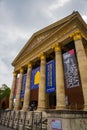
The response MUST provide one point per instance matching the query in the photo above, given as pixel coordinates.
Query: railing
(23, 120)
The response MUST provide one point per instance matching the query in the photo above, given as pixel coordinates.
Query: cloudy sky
(19, 19)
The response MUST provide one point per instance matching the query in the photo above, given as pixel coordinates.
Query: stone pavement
(5, 128)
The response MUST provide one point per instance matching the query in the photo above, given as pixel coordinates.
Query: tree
(4, 91)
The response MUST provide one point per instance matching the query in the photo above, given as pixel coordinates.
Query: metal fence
(23, 120)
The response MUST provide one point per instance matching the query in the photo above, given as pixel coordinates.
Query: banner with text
(23, 85)
(50, 77)
(35, 78)
(70, 69)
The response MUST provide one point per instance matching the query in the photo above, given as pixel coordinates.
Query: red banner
(15, 89)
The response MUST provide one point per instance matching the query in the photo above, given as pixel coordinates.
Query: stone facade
(67, 120)
(47, 44)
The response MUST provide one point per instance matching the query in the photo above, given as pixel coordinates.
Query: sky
(19, 19)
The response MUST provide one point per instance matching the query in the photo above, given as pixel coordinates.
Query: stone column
(12, 91)
(42, 84)
(60, 90)
(17, 103)
(82, 63)
(27, 90)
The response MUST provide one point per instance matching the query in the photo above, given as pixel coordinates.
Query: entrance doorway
(21, 103)
(52, 100)
(34, 97)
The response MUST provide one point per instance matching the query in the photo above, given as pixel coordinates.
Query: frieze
(38, 40)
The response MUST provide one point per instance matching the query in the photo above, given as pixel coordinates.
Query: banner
(15, 89)
(35, 78)
(50, 77)
(23, 85)
(70, 69)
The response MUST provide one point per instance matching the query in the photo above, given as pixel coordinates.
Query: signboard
(56, 124)
(70, 69)
(50, 77)
(23, 85)
(35, 78)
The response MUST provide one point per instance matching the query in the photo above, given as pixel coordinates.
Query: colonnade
(60, 88)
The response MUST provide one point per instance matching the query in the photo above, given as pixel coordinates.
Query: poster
(56, 124)
(35, 78)
(50, 77)
(70, 69)
(23, 85)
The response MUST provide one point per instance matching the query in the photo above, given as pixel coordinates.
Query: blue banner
(23, 85)
(71, 69)
(50, 77)
(35, 78)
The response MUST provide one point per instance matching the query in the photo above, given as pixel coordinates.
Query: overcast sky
(19, 19)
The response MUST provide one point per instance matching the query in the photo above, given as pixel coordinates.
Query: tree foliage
(4, 92)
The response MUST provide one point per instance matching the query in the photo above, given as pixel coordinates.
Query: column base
(85, 107)
(60, 107)
(16, 108)
(24, 109)
(41, 109)
(10, 108)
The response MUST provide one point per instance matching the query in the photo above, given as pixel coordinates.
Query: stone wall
(30, 120)
(49, 120)
(67, 120)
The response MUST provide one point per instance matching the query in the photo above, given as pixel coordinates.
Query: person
(32, 106)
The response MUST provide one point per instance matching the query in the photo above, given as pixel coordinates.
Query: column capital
(21, 70)
(76, 35)
(15, 73)
(56, 47)
(29, 65)
(42, 56)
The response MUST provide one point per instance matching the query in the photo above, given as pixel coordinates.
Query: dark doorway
(52, 101)
(34, 95)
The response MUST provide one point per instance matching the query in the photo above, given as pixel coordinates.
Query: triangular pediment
(45, 33)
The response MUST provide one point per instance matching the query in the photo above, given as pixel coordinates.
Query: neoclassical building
(51, 69)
